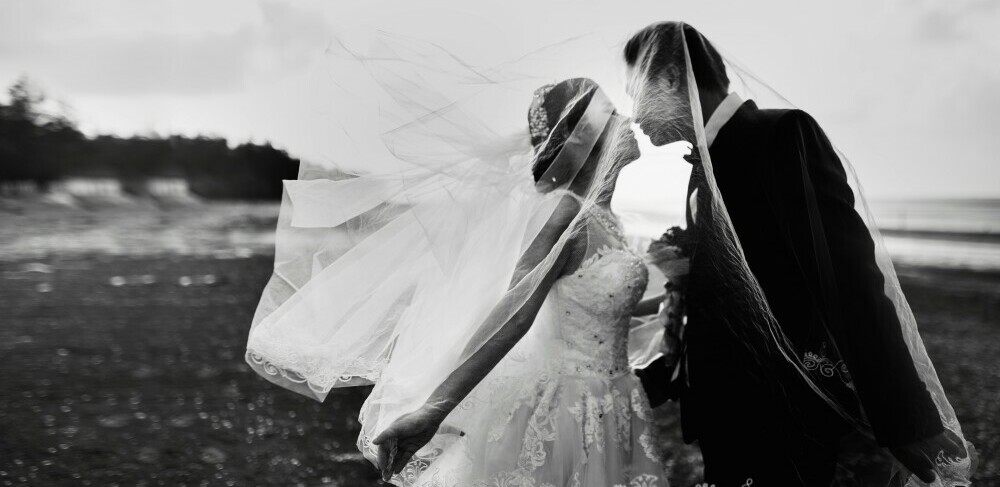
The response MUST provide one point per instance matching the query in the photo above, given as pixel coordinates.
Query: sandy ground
(126, 368)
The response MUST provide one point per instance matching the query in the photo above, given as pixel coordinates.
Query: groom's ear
(671, 76)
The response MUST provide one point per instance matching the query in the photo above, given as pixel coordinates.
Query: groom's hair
(706, 63)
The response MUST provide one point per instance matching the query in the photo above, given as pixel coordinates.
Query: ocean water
(944, 252)
(962, 234)
(953, 233)
(974, 216)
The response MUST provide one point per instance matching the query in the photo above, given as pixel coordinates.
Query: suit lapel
(722, 139)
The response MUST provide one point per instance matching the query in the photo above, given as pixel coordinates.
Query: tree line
(41, 148)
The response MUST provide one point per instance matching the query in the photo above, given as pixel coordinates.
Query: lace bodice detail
(592, 307)
(562, 408)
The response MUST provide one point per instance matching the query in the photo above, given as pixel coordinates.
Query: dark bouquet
(671, 253)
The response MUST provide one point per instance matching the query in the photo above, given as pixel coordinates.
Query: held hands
(671, 255)
(941, 452)
(404, 437)
(672, 316)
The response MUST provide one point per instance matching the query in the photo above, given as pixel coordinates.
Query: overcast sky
(910, 90)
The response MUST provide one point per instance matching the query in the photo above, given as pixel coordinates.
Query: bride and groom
(791, 339)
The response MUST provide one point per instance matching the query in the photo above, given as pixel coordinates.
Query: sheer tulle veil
(386, 269)
(392, 253)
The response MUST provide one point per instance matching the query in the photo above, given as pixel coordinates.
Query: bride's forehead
(630, 82)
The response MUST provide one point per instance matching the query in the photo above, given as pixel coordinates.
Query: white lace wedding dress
(563, 409)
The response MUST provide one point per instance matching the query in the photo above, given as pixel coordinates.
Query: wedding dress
(579, 419)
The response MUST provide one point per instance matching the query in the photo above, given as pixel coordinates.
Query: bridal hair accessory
(538, 118)
(570, 134)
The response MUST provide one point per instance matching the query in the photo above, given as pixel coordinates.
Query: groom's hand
(915, 462)
(919, 458)
(673, 326)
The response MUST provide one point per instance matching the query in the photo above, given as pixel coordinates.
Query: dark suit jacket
(820, 280)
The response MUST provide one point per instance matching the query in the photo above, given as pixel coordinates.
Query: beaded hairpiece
(538, 118)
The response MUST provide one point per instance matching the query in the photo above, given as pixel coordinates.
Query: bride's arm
(415, 429)
(649, 306)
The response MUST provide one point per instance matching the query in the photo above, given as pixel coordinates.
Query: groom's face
(653, 96)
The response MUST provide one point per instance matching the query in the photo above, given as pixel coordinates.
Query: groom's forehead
(635, 79)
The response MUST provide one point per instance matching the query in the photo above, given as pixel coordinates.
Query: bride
(534, 388)
(582, 418)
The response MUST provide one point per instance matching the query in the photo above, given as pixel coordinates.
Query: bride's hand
(404, 437)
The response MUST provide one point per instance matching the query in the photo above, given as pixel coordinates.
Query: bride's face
(625, 146)
(615, 149)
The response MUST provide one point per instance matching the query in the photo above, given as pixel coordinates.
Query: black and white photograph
(523, 243)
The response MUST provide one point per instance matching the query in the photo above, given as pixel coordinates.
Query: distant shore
(142, 226)
(984, 237)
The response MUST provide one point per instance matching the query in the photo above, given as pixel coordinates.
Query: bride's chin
(626, 159)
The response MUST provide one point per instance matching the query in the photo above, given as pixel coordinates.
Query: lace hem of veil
(279, 372)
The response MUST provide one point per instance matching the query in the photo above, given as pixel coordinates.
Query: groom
(752, 421)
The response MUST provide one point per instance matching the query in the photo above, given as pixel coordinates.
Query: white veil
(391, 254)
(394, 274)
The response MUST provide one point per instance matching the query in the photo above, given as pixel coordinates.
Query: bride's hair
(554, 113)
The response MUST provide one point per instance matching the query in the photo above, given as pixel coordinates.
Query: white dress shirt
(720, 117)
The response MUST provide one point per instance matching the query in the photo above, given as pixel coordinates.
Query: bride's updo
(555, 111)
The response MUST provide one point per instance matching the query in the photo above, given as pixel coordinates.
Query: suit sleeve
(838, 256)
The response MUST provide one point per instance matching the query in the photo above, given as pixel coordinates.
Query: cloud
(937, 26)
(152, 64)
(937, 22)
(160, 61)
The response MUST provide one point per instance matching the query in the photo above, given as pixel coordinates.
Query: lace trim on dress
(541, 429)
(609, 221)
(525, 397)
(603, 251)
(644, 480)
(648, 440)
(589, 412)
(514, 479)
